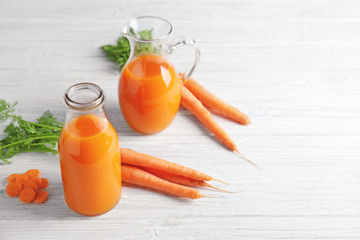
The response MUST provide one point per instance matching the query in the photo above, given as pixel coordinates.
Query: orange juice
(149, 93)
(90, 164)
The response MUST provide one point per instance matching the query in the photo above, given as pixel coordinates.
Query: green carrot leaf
(120, 52)
(26, 136)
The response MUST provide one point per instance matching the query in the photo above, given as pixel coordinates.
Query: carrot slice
(12, 177)
(36, 180)
(22, 178)
(31, 184)
(41, 197)
(27, 195)
(33, 173)
(44, 183)
(13, 189)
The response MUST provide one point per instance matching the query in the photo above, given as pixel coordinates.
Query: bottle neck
(84, 99)
(98, 112)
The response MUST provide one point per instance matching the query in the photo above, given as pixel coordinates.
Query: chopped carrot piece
(44, 183)
(27, 195)
(22, 178)
(26, 186)
(41, 197)
(31, 184)
(36, 180)
(13, 189)
(12, 177)
(33, 173)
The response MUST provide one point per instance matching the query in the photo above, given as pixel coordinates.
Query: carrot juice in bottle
(89, 153)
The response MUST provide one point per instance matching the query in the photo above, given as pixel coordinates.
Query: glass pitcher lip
(84, 106)
(153, 17)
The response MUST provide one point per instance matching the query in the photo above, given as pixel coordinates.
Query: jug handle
(171, 46)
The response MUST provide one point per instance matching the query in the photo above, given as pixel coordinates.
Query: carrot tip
(212, 196)
(219, 189)
(243, 157)
(214, 179)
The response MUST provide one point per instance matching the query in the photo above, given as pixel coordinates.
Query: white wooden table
(293, 66)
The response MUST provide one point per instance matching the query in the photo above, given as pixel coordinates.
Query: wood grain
(293, 66)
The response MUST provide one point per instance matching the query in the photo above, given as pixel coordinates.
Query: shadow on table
(117, 120)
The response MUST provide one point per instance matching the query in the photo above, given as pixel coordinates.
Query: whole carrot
(215, 104)
(131, 157)
(179, 179)
(190, 102)
(137, 176)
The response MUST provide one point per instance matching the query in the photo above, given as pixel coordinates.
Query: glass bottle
(89, 153)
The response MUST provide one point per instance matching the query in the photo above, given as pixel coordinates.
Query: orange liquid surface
(149, 93)
(90, 165)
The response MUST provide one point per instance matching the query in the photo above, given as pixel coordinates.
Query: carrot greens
(25, 136)
(120, 52)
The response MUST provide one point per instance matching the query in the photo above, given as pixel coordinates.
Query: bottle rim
(86, 105)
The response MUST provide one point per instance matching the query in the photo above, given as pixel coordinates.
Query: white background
(293, 66)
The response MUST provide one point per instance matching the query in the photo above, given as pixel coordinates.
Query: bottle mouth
(84, 96)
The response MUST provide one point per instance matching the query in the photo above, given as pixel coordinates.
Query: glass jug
(149, 86)
(89, 153)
